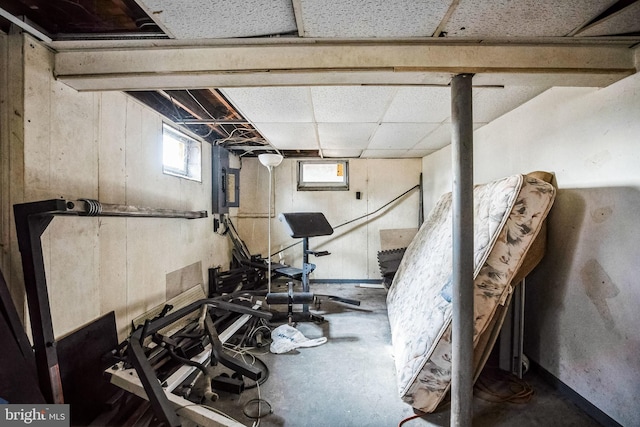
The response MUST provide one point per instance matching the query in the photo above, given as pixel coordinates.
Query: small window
(181, 154)
(323, 175)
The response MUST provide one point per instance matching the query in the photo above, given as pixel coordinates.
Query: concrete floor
(350, 380)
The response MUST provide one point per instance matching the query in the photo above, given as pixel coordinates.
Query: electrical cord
(211, 408)
(245, 351)
(242, 352)
(412, 417)
(260, 414)
(420, 414)
(358, 218)
(380, 208)
(496, 385)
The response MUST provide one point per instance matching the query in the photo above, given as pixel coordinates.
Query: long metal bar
(151, 385)
(212, 122)
(462, 203)
(421, 203)
(25, 26)
(518, 345)
(29, 227)
(89, 207)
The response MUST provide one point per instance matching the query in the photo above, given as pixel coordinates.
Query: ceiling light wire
(200, 105)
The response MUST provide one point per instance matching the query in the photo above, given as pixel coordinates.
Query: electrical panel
(226, 182)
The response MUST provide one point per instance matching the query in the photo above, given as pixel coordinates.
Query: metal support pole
(269, 230)
(305, 270)
(462, 203)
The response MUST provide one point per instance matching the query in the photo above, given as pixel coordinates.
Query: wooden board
(396, 238)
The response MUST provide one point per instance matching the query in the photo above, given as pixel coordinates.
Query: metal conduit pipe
(462, 274)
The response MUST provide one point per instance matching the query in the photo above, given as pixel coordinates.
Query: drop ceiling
(343, 117)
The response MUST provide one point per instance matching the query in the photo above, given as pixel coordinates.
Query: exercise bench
(303, 225)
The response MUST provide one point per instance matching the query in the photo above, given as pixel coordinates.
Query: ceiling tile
(522, 18)
(348, 104)
(625, 21)
(418, 153)
(345, 135)
(491, 103)
(272, 104)
(400, 135)
(289, 136)
(384, 154)
(222, 19)
(342, 153)
(371, 18)
(420, 104)
(440, 137)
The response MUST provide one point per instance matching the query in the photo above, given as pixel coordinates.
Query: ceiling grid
(365, 78)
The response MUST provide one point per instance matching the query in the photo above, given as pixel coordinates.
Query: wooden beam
(381, 63)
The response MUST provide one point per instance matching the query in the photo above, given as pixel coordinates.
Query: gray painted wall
(582, 301)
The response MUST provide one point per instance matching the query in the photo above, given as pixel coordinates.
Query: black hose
(187, 361)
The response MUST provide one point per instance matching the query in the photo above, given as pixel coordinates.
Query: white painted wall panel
(353, 247)
(112, 148)
(72, 277)
(106, 146)
(73, 147)
(112, 269)
(37, 104)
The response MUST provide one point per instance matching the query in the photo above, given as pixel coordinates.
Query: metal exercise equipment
(32, 219)
(303, 225)
(136, 352)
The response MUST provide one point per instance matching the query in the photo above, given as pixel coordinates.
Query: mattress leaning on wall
(508, 214)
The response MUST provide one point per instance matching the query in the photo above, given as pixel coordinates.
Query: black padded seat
(306, 224)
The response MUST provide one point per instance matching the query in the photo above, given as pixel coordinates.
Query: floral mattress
(508, 213)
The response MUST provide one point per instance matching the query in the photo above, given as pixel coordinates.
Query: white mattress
(508, 214)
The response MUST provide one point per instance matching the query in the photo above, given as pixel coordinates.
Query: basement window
(181, 154)
(318, 175)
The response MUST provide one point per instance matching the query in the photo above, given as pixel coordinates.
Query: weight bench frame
(303, 225)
